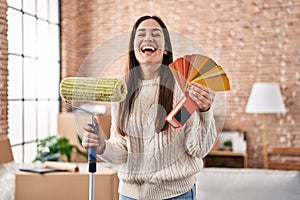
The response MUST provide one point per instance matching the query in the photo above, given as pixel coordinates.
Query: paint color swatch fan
(194, 68)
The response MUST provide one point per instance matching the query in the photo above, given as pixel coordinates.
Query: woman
(153, 160)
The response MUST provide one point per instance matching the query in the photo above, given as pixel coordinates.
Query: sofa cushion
(247, 184)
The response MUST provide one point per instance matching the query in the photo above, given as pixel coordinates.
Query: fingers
(96, 121)
(91, 128)
(93, 136)
(89, 140)
(202, 95)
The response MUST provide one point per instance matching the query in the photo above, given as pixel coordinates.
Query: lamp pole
(265, 98)
(265, 144)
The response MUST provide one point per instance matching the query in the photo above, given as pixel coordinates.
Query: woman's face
(149, 43)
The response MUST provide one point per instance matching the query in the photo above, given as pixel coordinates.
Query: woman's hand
(202, 95)
(90, 139)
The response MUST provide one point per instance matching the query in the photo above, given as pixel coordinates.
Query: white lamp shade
(265, 98)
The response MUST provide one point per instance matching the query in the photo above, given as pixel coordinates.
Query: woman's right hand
(90, 139)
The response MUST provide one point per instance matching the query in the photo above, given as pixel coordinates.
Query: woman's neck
(150, 71)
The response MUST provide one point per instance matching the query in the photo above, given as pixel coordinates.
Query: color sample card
(194, 68)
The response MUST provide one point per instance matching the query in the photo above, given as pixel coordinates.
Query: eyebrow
(153, 29)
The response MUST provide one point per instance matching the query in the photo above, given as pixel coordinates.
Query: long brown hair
(134, 76)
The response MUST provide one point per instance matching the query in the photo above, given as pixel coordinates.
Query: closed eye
(141, 35)
(156, 34)
(141, 32)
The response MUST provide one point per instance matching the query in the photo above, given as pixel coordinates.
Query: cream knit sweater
(158, 165)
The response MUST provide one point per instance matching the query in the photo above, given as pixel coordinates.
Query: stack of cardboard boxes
(66, 185)
(69, 185)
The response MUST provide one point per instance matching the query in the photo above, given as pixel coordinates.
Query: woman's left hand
(202, 95)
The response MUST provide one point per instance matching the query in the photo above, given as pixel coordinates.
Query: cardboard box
(66, 185)
(70, 125)
(5, 150)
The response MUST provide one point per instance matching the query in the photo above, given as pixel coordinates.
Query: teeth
(148, 47)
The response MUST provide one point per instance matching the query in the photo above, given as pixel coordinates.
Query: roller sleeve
(93, 89)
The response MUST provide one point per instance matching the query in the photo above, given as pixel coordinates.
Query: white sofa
(247, 184)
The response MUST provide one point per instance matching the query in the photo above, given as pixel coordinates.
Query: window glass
(53, 8)
(42, 39)
(17, 153)
(30, 35)
(29, 121)
(29, 6)
(30, 78)
(15, 79)
(28, 152)
(53, 79)
(54, 42)
(15, 3)
(42, 119)
(54, 109)
(33, 74)
(43, 79)
(42, 9)
(14, 32)
(15, 122)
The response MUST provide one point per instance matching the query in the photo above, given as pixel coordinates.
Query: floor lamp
(265, 98)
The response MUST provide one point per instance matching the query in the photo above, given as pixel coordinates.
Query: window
(34, 74)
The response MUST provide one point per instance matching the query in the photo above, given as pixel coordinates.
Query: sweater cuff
(107, 151)
(206, 116)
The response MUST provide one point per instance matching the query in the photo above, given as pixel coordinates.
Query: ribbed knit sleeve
(115, 153)
(201, 133)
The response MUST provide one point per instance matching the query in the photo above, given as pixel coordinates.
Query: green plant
(53, 147)
(227, 144)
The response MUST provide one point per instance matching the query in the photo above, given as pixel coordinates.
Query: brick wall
(3, 68)
(253, 40)
(69, 38)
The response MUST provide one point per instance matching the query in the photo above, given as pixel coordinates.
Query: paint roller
(92, 89)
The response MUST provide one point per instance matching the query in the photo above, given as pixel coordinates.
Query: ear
(165, 52)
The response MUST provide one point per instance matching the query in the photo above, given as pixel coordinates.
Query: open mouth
(149, 49)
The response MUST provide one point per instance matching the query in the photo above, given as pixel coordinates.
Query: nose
(148, 37)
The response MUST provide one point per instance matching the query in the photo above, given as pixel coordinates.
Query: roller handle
(92, 152)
